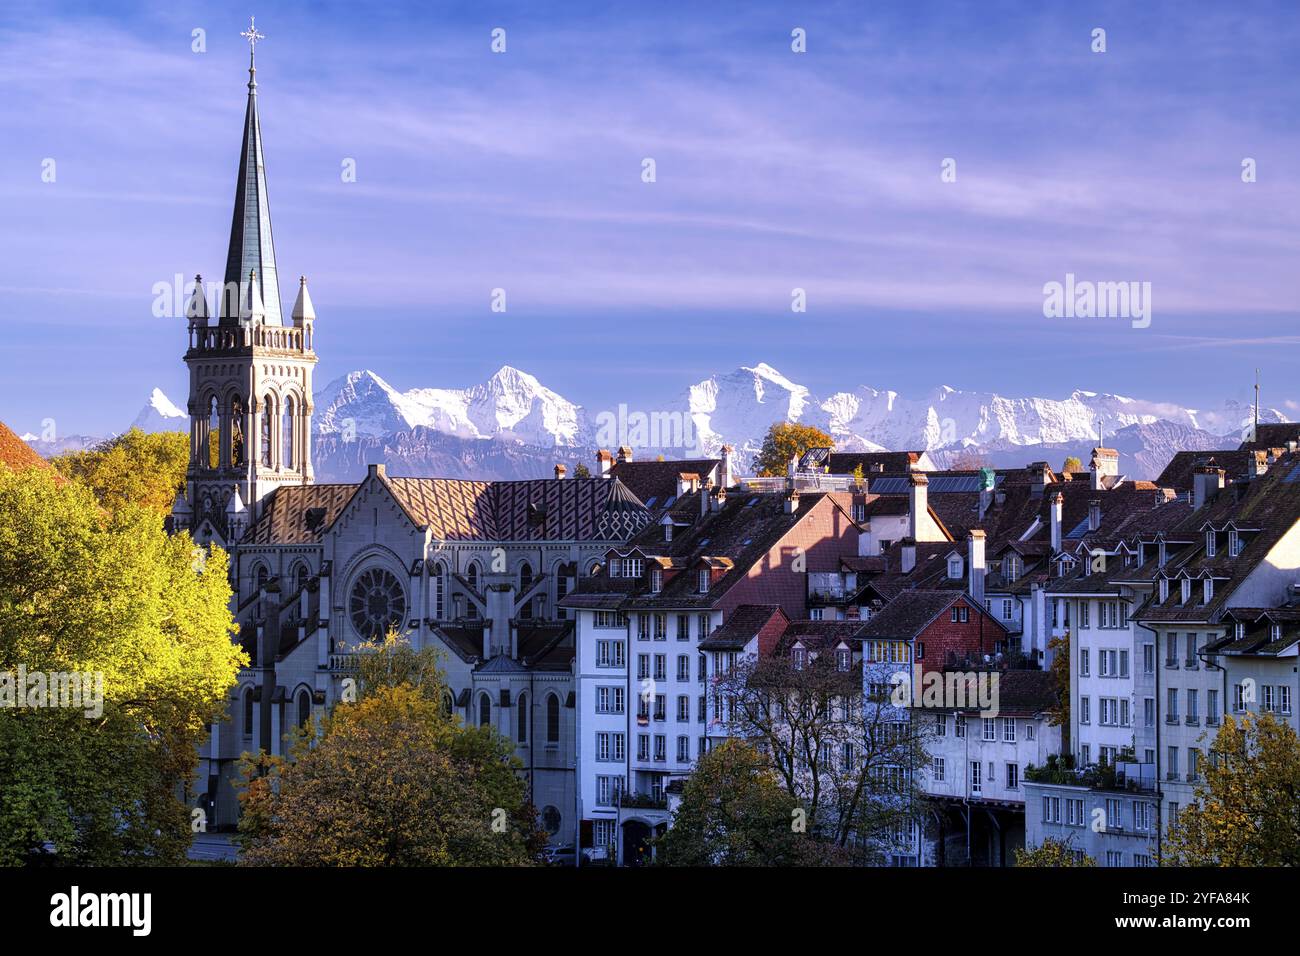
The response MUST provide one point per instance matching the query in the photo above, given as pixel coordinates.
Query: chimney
(604, 462)
(1039, 475)
(376, 471)
(1105, 464)
(918, 502)
(624, 453)
(1206, 483)
(1094, 514)
(718, 499)
(908, 549)
(561, 471)
(792, 502)
(704, 501)
(728, 467)
(975, 564)
(1058, 505)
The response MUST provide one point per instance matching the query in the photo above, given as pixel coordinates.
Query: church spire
(251, 248)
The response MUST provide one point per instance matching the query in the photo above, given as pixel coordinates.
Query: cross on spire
(252, 36)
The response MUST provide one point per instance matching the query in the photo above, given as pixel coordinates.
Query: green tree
(734, 812)
(1248, 803)
(1059, 715)
(581, 471)
(86, 591)
(1052, 852)
(393, 780)
(139, 468)
(786, 440)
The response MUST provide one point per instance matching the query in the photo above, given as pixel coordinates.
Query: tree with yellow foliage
(140, 468)
(1248, 803)
(108, 594)
(394, 779)
(786, 440)
(1052, 853)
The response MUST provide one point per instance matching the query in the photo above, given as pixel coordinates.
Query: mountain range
(513, 426)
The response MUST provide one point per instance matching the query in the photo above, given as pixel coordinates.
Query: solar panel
(1293, 475)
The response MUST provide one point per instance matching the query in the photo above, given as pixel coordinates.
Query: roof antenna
(1254, 435)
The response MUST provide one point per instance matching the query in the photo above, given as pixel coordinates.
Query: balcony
(642, 801)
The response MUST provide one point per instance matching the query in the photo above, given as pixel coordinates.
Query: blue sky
(775, 170)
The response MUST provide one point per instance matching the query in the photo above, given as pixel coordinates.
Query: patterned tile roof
(16, 453)
(544, 509)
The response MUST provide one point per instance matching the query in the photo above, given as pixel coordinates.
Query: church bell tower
(250, 400)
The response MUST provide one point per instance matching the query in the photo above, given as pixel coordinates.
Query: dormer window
(1209, 544)
(1234, 544)
(1164, 589)
(1207, 590)
(1239, 630)
(1012, 565)
(1275, 632)
(843, 658)
(954, 568)
(702, 581)
(1187, 589)
(800, 657)
(656, 580)
(668, 531)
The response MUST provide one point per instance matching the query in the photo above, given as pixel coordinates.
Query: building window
(1013, 776)
(702, 581)
(484, 710)
(1234, 544)
(523, 718)
(683, 627)
(656, 580)
(288, 459)
(937, 769)
(552, 719)
(1009, 730)
(683, 749)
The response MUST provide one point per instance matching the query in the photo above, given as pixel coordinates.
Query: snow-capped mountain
(161, 415)
(510, 405)
(513, 426)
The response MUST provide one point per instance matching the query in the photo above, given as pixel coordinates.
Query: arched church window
(552, 719)
(304, 708)
(213, 439)
(377, 604)
(300, 577)
(525, 577)
(261, 576)
(248, 712)
(237, 431)
(471, 575)
(484, 710)
(523, 718)
(268, 425)
(286, 433)
(439, 591)
(447, 703)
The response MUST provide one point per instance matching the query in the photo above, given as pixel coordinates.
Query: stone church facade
(476, 569)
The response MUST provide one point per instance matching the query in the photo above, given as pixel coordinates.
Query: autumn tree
(1052, 852)
(786, 440)
(393, 779)
(88, 591)
(1072, 464)
(1247, 809)
(850, 761)
(1059, 715)
(139, 468)
(735, 812)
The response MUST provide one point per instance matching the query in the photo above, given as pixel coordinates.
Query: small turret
(303, 311)
(197, 309)
(252, 311)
